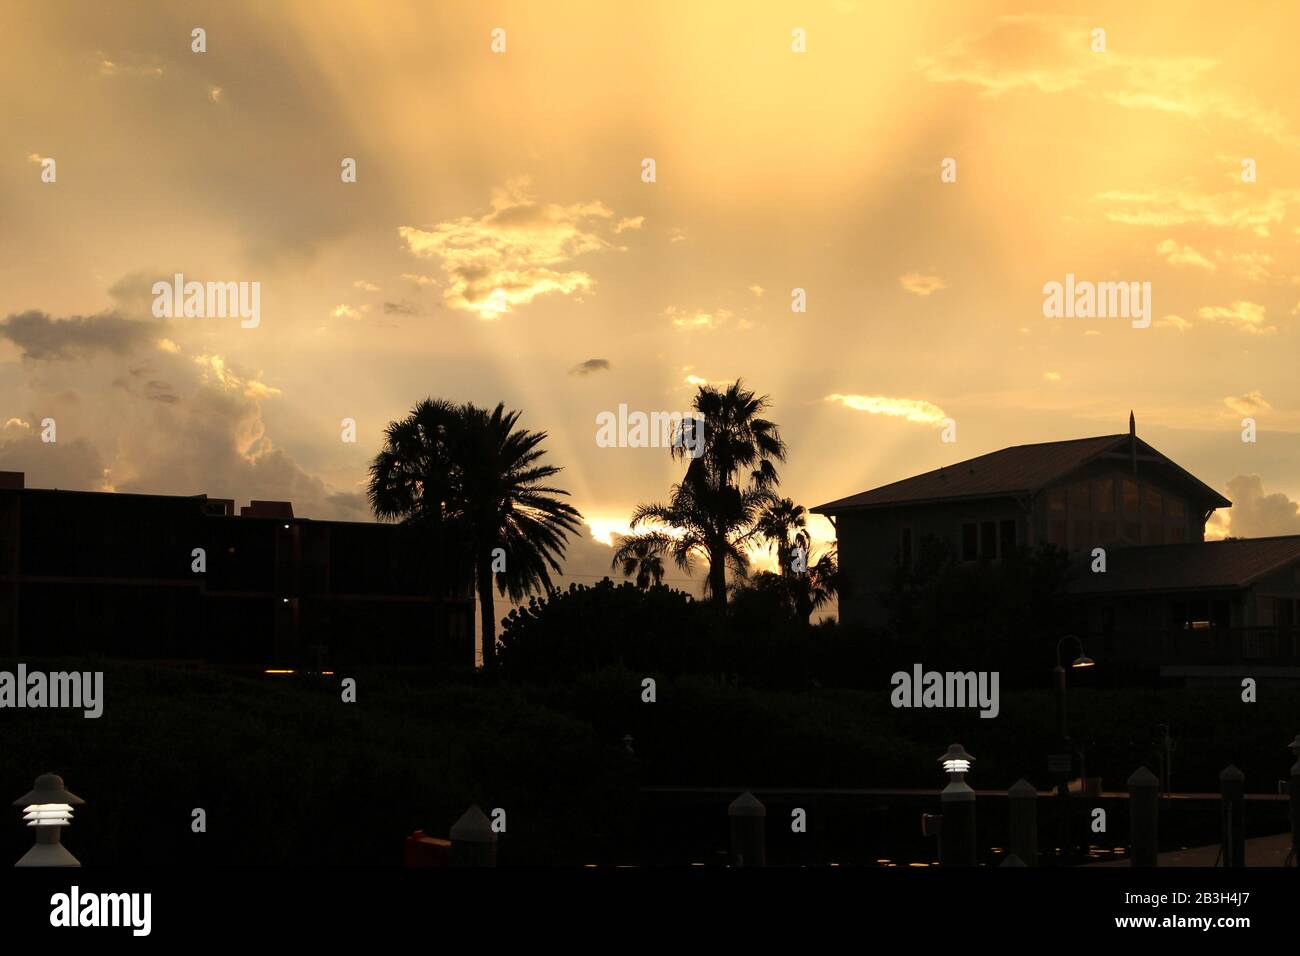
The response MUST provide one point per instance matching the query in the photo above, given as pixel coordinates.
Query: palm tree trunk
(718, 577)
(489, 624)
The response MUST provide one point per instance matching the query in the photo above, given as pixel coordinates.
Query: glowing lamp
(48, 807)
(956, 761)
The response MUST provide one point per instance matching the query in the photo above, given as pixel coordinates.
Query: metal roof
(1178, 567)
(1021, 469)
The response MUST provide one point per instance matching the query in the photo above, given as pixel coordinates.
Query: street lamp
(1080, 662)
(956, 763)
(48, 807)
(1062, 761)
(957, 837)
(1293, 798)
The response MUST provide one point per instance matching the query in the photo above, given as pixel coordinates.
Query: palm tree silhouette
(711, 512)
(810, 584)
(642, 558)
(472, 478)
(412, 480)
(783, 525)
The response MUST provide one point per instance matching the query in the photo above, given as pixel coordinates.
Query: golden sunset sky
(500, 235)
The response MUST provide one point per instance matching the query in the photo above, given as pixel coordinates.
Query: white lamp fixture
(48, 807)
(956, 761)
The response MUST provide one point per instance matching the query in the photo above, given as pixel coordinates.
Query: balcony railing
(1211, 645)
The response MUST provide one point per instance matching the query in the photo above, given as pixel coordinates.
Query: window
(989, 540)
(1154, 503)
(970, 545)
(1283, 612)
(1082, 535)
(1174, 508)
(1103, 496)
(1198, 614)
(905, 547)
(1080, 499)
(1220, 614)
(1007, 538)
(1056, 499)
(1129, 489)
(1179, 614)
(1202, 614)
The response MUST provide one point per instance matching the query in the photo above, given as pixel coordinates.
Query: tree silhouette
(642, 558)
(469, 476)
(809, 583)
(711, 512)
(783, 526)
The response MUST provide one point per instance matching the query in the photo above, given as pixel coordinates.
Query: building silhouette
(1196, 609)
(115, 575)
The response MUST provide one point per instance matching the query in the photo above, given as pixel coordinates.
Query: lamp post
(1293, 798)
(48, 807)
(1062, 762)
(1083, 660)
(957, 838)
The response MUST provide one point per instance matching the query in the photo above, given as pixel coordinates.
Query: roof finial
(1132, 441)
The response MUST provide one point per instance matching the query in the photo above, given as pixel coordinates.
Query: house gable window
(1006, 538)
(988, 540)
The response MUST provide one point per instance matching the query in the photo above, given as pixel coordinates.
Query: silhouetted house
(1115, 492)
(115, 574)
(1200, 611)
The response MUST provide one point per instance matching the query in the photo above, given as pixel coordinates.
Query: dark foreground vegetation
(290, 775)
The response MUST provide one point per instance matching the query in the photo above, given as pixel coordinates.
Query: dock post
(1022, 799)
(1143, 817)
(748, 844)
(1232, 782)
(472, 841)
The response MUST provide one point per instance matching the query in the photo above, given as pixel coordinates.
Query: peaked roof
(1021, 469)
(1179, 567)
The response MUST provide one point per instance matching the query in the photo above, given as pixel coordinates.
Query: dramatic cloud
(1255, 514)
(66, 463)
(914, 410)
(139, 383)
(1177, 255)
(1246, 316)
(921, 285)
(216, 369)
(508, 257)
(44, 338)
(1254, 266)
(118, 67)
(1176, 322)
(1185, 206)
(1053, 53)
(589, 366)
(697, 320)
(218, 444)
(1249, 404)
